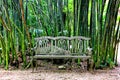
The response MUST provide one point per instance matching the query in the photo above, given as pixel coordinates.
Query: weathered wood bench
(62, 47)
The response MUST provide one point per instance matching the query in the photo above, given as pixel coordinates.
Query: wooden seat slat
(59, 56)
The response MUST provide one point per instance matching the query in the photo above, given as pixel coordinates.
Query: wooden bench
(62, 47)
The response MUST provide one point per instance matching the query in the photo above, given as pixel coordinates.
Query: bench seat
(60, 56)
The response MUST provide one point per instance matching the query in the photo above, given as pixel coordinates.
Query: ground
(113, 74)
(72, 75)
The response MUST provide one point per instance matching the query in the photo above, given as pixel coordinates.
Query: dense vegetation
(23, 20)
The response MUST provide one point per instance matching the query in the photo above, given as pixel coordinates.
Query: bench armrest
(89, 51)
(33, 51)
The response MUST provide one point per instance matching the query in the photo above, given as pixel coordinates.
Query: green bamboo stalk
(84, 18)
(3, 48)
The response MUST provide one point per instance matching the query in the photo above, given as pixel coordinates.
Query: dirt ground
(62, 74)
(47, 75)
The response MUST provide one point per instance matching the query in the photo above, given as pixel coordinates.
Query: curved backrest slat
(60, 44)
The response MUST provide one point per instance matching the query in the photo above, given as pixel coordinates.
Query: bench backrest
(61, 45)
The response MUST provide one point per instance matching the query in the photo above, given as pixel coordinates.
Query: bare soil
(60, 75)
(113, 74)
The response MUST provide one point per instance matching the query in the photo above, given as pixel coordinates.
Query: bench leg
(73, 64)
(90, 64)
(36, 65)
(32, 65)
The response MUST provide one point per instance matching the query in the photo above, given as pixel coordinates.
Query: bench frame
(62, 47)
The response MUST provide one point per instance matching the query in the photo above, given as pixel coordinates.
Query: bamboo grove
(23, 20)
